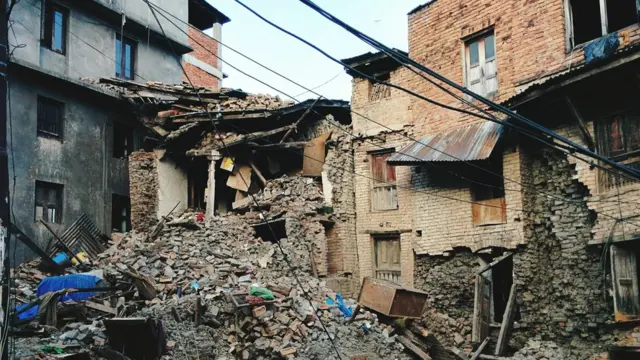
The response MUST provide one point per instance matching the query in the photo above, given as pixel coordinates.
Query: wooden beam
(477, 353)
(258, 135)
(100, 307)
(507, 322)
(299, 120)
(258, 173)
(459, 353)
(586, 135)
(493, 263)
(414, 349)
(286, 145)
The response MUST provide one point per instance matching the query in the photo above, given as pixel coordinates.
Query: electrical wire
(355, 113)
(321, 85)
(264, 218)
(635, 174)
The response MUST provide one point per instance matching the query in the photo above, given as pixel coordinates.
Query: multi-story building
(476, 212)
(69, 138)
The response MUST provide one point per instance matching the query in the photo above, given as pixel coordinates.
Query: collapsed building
(249, 153)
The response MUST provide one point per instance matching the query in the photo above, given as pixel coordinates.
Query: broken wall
(143, 182)
(560, 284)
(172, 185)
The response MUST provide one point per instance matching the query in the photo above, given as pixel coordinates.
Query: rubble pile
(255, 101)
(222, 292)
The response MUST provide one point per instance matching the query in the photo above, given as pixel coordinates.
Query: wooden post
(507, 321)
(211, 186)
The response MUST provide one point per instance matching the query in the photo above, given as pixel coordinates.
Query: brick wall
(198, 76)
(143, 188)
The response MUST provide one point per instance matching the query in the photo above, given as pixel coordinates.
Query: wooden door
(387, 258)
(482, 309)
(624, 272)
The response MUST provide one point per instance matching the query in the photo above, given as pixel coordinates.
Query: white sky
(384, 20)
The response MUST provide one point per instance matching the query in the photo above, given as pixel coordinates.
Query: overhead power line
(262, 215)
(635, 174)
(353, 112)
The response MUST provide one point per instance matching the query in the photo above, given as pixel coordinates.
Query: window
(120, 213)
(55, 27)
(384, 194)
(487, 194)
(591, 19)
(624, 278)
(50, 117)
(48, 205)
(619, 140)
(122, 140)
(387, 256)
(125, 58)
(480, 65)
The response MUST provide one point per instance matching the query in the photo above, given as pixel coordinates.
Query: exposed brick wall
(143, 180)
(198, 76)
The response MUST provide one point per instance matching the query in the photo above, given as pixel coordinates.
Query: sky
(384, 20)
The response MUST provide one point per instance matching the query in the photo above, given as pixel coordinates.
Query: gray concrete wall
(91, 43)
(82, 162)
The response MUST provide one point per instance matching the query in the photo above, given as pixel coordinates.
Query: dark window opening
(197, 177)
(502, 280)
(50, 113)
(586, 20)
(273, 232)
(620, 14)
(122, 140)
(120, 213)
(125, 58)
(48, 204)
(55, 27)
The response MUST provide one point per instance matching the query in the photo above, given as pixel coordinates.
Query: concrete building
(70, 138)
(542, 230)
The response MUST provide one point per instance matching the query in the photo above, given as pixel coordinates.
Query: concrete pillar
(211, 185)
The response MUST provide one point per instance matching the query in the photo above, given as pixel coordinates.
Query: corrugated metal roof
(473, 142)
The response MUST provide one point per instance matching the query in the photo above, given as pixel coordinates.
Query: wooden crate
(391, 299)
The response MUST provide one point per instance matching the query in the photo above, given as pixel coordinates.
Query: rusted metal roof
(473, 142)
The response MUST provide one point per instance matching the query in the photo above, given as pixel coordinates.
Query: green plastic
(263, 293)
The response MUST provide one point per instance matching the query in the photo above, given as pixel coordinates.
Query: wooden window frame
(378, 186)
(44, 204)
(628, 156)
(391, 274)
(48, 32)
(604, 23)
(492, 208)
(480, 39)
(123, 42)
(42, 117)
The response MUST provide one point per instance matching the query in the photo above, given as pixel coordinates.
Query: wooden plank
(314, 156)
(493, 263)
(507, 322)
(481, 310)
(479, 350)
(415, 349)
(258, 173)
(626, 299)
(489, 212)
(240, 179)
(304, 115)
(582, 125)
(459, 353)
(100, 307)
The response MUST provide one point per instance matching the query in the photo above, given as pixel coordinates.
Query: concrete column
(211, 186)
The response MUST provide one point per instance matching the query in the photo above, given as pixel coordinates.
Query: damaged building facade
(70, 138)
(514, 241)
(248, 155)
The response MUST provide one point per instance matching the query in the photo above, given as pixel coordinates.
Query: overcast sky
(384, 20)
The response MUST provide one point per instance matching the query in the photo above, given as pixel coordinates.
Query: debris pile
(220, 292)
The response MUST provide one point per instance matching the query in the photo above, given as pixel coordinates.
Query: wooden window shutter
(624, 271)
(481, 309)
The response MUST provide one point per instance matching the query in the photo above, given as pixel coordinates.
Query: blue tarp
(72, 281)
(27, 315)
(340, 302)
(601, 48)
